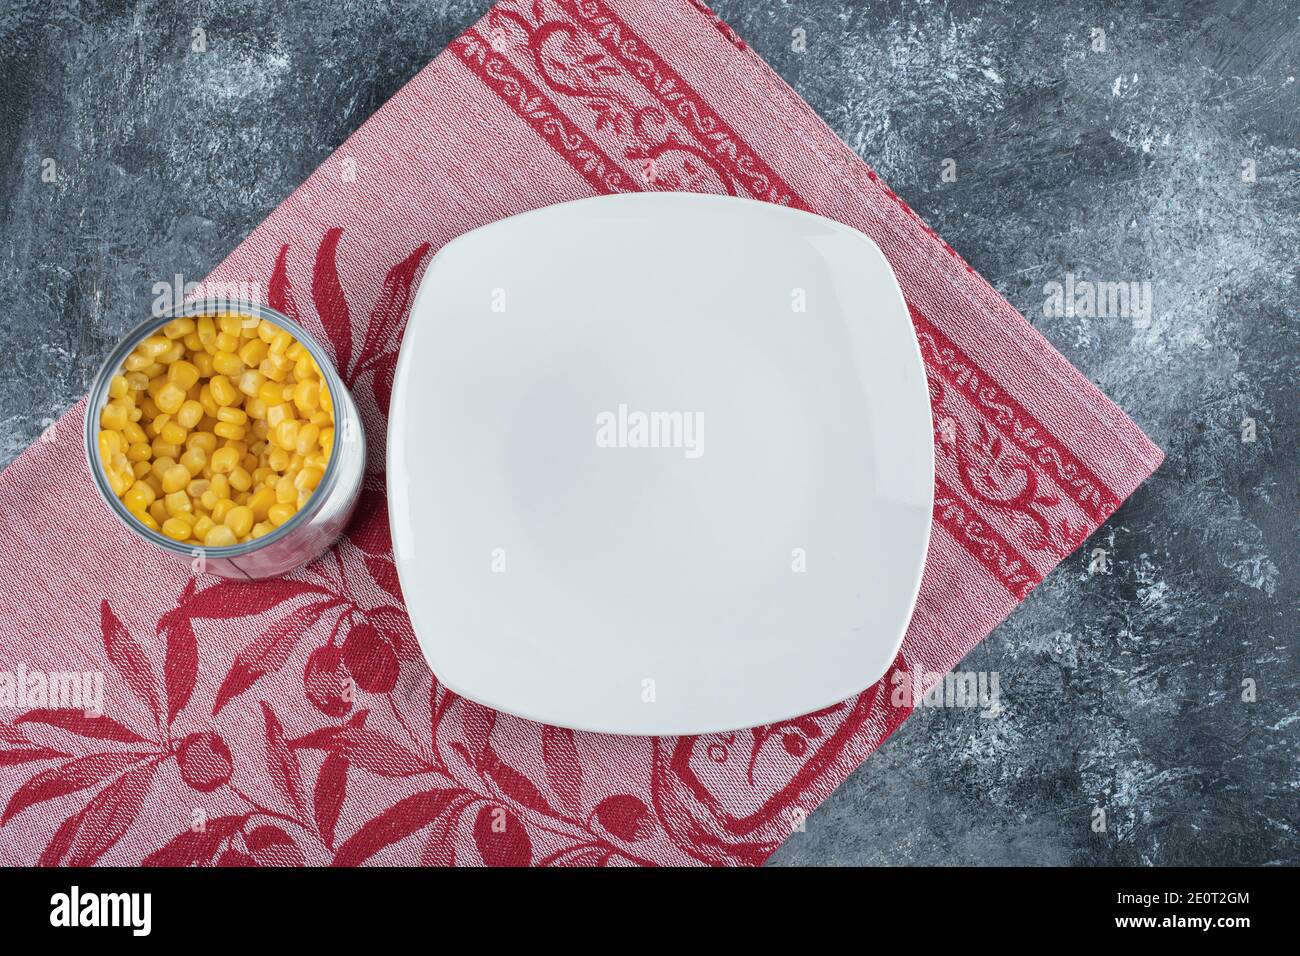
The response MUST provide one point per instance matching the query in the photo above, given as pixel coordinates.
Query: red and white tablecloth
(224, 736)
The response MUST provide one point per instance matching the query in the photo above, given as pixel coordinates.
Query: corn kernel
(286, 434)
(175, 478)
(307, 479)
(278, 514)
(170, 398)
(182, 373)
(227, 430)
(221, 536)
(189, 414)
(240, 479)
(174, 433)
(115, 416)
(224, 461)
(194, 459)
(178, 328)
(223, 391)
(176, 529)
(239, 519)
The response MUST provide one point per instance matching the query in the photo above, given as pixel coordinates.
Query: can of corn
(221, 433)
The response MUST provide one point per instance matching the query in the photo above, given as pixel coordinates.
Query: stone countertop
(1162, 689)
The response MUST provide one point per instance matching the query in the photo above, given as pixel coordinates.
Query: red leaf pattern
(181, 665)
(128, 658)
(563, 768)
(107, 817)
(396, 823)
(190, 847)
(331, 305)
(69, 778)
(268, 653)
(74, 721)
(281, 762)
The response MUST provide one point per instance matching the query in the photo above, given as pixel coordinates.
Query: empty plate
(660, 463)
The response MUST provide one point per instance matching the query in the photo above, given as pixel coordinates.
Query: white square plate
(660, 463)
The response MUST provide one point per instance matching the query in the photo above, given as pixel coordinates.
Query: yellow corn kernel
(139, 497)
(204, 440)
(223, 391)
(117, 386)
(155, 426)
(221, 509)
(306, 395)
(240, 479)
(227, 342)
(278, 413)
(177, 502)
(250, 382)
(158, 510)
(228, 364)
(194, 459)
(308, 479)
(279, 513)
(110, 444)
(236, 416)
(176, 478)
(174, 433)
(220, 536)
(182, 373)
(189, 414)
(115, 416)
(146, 519)
(285, 434)
(170, 398)
(178, 328)
(154, 346)
(176, 529)
(253, 351)
(165, 449)
(224, 460)
(261, 529)
(140, 469)
(285, 492)
(227, 430)
(239, 519)
(280, 342)
(261, 500)
(308, 436)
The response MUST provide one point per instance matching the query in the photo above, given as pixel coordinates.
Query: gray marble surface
(1121, 691)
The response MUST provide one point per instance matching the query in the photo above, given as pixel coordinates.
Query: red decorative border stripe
(539, 112)
(992, 550)
(1026, 432)
(664, 83)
